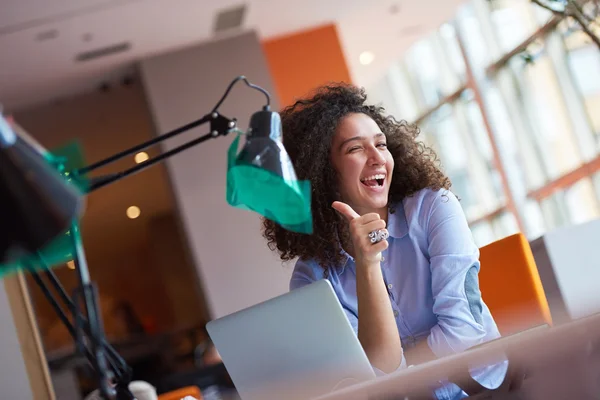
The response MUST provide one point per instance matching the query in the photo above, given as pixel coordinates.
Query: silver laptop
(298, 345)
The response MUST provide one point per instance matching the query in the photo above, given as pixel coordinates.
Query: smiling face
(363, 163)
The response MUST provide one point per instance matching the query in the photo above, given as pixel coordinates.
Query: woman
(371, 179)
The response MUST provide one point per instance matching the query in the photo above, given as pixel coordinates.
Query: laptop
(299, 345)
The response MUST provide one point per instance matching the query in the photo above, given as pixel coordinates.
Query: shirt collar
(397, 227)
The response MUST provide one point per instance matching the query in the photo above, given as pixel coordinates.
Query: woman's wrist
(369, 268)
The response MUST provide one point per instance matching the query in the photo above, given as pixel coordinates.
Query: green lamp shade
(261, 177)
(57, 252)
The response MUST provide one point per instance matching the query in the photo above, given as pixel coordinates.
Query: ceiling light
(141, 157)
(366, 57)
(71, 264)
(133, 212)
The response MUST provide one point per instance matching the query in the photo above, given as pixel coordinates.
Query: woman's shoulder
(428, 196)
(306, 271)
(425, 198)
(419, 206)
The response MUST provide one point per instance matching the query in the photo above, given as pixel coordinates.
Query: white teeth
(373, 177)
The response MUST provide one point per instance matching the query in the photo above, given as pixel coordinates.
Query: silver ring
(378, 235)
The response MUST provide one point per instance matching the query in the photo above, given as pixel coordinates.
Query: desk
(565, 361)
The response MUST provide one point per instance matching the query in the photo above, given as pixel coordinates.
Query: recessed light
(133, 212)
(71, 264)
(366, 57)
(141, 157)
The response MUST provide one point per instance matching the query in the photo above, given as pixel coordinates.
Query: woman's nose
(376, 157)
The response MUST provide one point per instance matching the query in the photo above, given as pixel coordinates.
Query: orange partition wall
(302, 61)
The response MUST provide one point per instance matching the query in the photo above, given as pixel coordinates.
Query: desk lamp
(42, 196)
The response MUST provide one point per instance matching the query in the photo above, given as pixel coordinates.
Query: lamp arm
(255, 87)
(118, 366)
(219, 126)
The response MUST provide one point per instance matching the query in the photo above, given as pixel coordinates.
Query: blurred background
(506, 91)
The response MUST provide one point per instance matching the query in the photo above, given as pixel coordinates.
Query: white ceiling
(387, 31)
(34, 71)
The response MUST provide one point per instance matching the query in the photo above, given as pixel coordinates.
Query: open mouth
(373, 180)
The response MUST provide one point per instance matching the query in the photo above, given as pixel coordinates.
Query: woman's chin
(376, 202)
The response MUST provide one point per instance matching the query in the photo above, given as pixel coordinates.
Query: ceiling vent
(103, 52)
(229, 18)
(46, 35)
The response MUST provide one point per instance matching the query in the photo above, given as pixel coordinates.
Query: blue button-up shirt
(431, 271)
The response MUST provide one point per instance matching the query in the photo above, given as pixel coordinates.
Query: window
(583, 59)
(520, 161)
(575, 205)
(486, 232)
(435, 67)
(514, 21)
(515, 133)
(596, 182)
(477, 37)
(533, 219)
(456, 133)
(581, 202)
(545, 111)
(395, 93)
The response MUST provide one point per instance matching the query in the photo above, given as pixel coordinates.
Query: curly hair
(308, 129)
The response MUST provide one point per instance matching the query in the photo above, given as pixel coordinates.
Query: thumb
(345, 210)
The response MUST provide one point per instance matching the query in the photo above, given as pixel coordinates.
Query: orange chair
(179, 394)
(511, 287)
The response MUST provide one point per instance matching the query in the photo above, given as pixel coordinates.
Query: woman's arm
(377, 330)
(454, 263)
(419, 354)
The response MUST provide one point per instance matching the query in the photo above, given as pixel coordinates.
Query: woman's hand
(365, 252)
(377, 330)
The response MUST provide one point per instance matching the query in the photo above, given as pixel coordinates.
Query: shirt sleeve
(305, 274)
(454, 263)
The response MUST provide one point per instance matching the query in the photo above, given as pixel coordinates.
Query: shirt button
(395, 313)
(390, 286)
(382, 258)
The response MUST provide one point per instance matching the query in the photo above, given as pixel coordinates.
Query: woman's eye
(353, 149)
(382, 145)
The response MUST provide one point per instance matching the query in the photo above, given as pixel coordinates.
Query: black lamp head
(36, 203)
(262, 177)
(264, 148)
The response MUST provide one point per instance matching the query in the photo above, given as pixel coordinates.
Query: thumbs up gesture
(366, 253)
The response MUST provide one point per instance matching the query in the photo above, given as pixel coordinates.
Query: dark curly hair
(308, 129)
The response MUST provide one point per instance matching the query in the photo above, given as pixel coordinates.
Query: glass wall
(509, 97)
